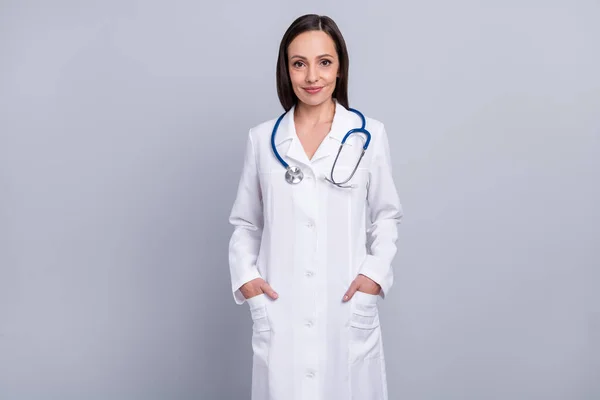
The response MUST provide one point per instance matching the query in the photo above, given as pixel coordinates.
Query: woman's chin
(315, 100)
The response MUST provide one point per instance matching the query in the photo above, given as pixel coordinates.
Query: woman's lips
(313, 90)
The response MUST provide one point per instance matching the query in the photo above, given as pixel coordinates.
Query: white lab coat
(309, 241)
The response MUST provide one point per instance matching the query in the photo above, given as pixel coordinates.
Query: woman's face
(313, 64)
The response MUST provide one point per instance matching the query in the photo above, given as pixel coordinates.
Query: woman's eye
(297, 64)
(326, 62)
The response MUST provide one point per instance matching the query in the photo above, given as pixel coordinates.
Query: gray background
(122, 129)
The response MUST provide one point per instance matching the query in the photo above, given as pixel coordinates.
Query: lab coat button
(310, 225)
(310, 374)
(309, 323)
(309, 273)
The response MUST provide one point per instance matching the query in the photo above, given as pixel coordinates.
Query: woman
(311, 258)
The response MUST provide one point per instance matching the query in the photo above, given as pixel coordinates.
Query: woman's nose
(311, 75)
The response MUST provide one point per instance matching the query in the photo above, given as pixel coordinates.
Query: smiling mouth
(314, 89)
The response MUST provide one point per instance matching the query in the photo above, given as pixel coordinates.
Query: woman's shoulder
(263, 130)
(378, 132)
(373, 125)
(265, 125)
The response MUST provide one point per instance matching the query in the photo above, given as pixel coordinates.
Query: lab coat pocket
(367, 368)
(347, 205)
(261, 328)
(365, 334)
(278, 198)
(358, 182)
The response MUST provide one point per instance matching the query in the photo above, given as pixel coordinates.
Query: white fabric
(309, 241)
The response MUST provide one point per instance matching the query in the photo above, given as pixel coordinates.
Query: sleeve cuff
(379, 272)
(238, 297)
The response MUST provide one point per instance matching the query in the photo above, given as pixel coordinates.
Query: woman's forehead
(311, 44)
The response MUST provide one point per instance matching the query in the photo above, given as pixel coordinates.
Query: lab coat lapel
(287, 132)
(339, 127)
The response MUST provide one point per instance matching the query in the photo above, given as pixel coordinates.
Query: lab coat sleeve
(385, 213)
(247, 218)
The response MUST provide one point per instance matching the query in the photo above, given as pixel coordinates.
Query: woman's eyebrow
(304, 58)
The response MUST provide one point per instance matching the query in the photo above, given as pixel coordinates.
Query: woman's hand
(363, 284)
(257, 286)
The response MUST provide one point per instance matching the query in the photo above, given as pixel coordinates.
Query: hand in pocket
(364, 284)
(257, 286)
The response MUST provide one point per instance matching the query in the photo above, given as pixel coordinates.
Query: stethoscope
(294, 174)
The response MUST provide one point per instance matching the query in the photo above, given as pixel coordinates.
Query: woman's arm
(385, 212)
(247, 218)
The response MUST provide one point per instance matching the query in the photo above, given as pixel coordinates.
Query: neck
(315, 114)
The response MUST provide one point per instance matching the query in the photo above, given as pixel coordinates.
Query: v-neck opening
(325, 138)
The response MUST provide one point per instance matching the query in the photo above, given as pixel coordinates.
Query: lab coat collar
(341, 124)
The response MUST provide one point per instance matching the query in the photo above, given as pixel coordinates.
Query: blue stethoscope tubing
(295, 175)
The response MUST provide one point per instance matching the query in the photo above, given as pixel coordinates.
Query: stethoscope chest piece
(293, 175)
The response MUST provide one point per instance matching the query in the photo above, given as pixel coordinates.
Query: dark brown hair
(305, 23)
